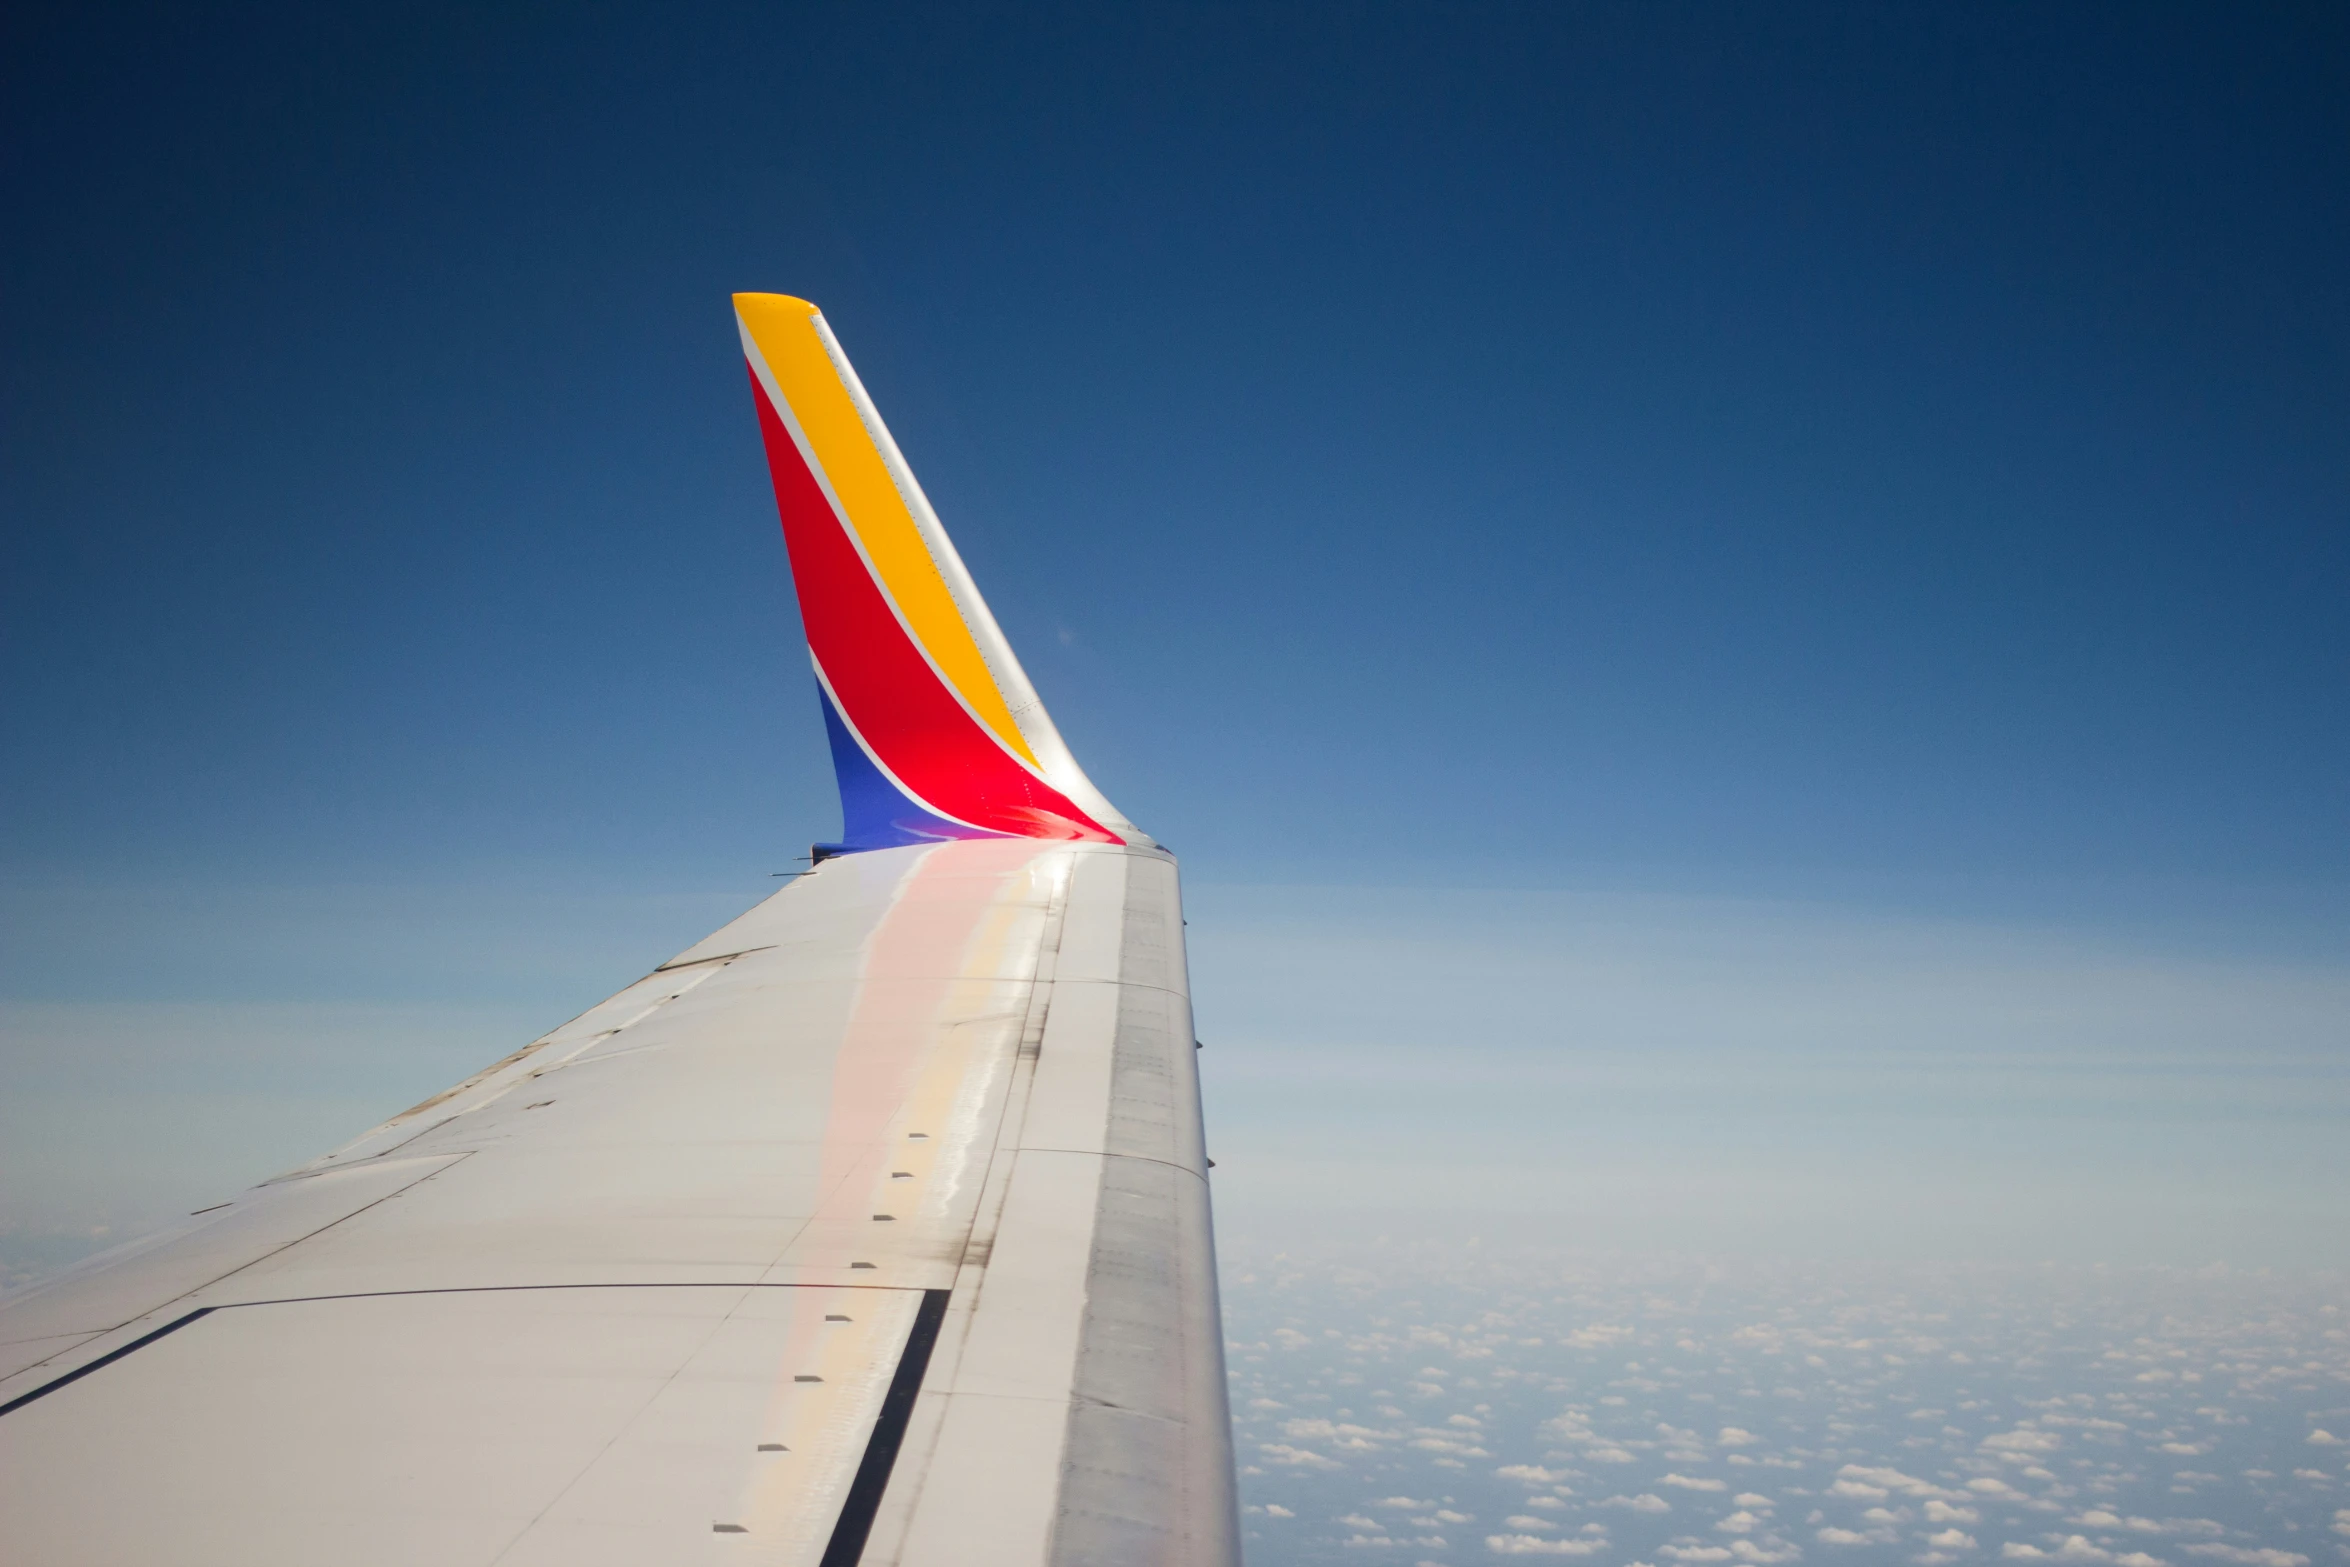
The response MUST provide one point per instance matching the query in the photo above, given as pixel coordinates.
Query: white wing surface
(874, 1228)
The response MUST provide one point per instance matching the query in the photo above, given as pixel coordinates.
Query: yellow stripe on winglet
(785, 330)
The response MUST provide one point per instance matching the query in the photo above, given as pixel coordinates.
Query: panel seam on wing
(1105, 1153)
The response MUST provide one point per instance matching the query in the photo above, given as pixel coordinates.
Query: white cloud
(1732, 1436)
(1951, 1540)
(1523, 1521)
(1846, 1537)
(1688, 1483)
(1739, 1522)
(1650, 1502)
(1939, 1511)
(1296, 1457)
(2322, 1438)
(2073, 1548)
(1533, 1474)
(1535, 1545)
(1445, 1444)
(2106, 1518)
(1864, 1480)
(2021, 1441)
(1363, 1439)
(2266, 1556)
(1696, 1553)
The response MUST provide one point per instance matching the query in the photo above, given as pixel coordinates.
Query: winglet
(936, 732)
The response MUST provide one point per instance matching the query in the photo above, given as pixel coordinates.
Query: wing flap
(1093, 1331)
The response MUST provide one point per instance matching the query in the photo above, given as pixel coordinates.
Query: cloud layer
(1426, 1404)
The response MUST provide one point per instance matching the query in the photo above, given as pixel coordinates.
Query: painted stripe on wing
(834, 713)
(905, 716)
(765, 382)
(844, 448)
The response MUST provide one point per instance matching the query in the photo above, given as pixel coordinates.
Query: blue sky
(1863, 475)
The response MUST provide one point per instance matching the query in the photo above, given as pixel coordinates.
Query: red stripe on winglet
(897, 702)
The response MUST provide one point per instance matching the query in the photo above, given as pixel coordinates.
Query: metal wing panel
(632, 1295)
(510, 1426)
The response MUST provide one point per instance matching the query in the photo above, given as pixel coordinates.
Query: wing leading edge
(872, 1228)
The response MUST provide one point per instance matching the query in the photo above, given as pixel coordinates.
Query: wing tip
(772, 306)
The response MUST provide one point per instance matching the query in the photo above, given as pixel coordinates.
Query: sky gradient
(1860, 488)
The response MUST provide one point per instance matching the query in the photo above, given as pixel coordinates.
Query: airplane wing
(873, 1228)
